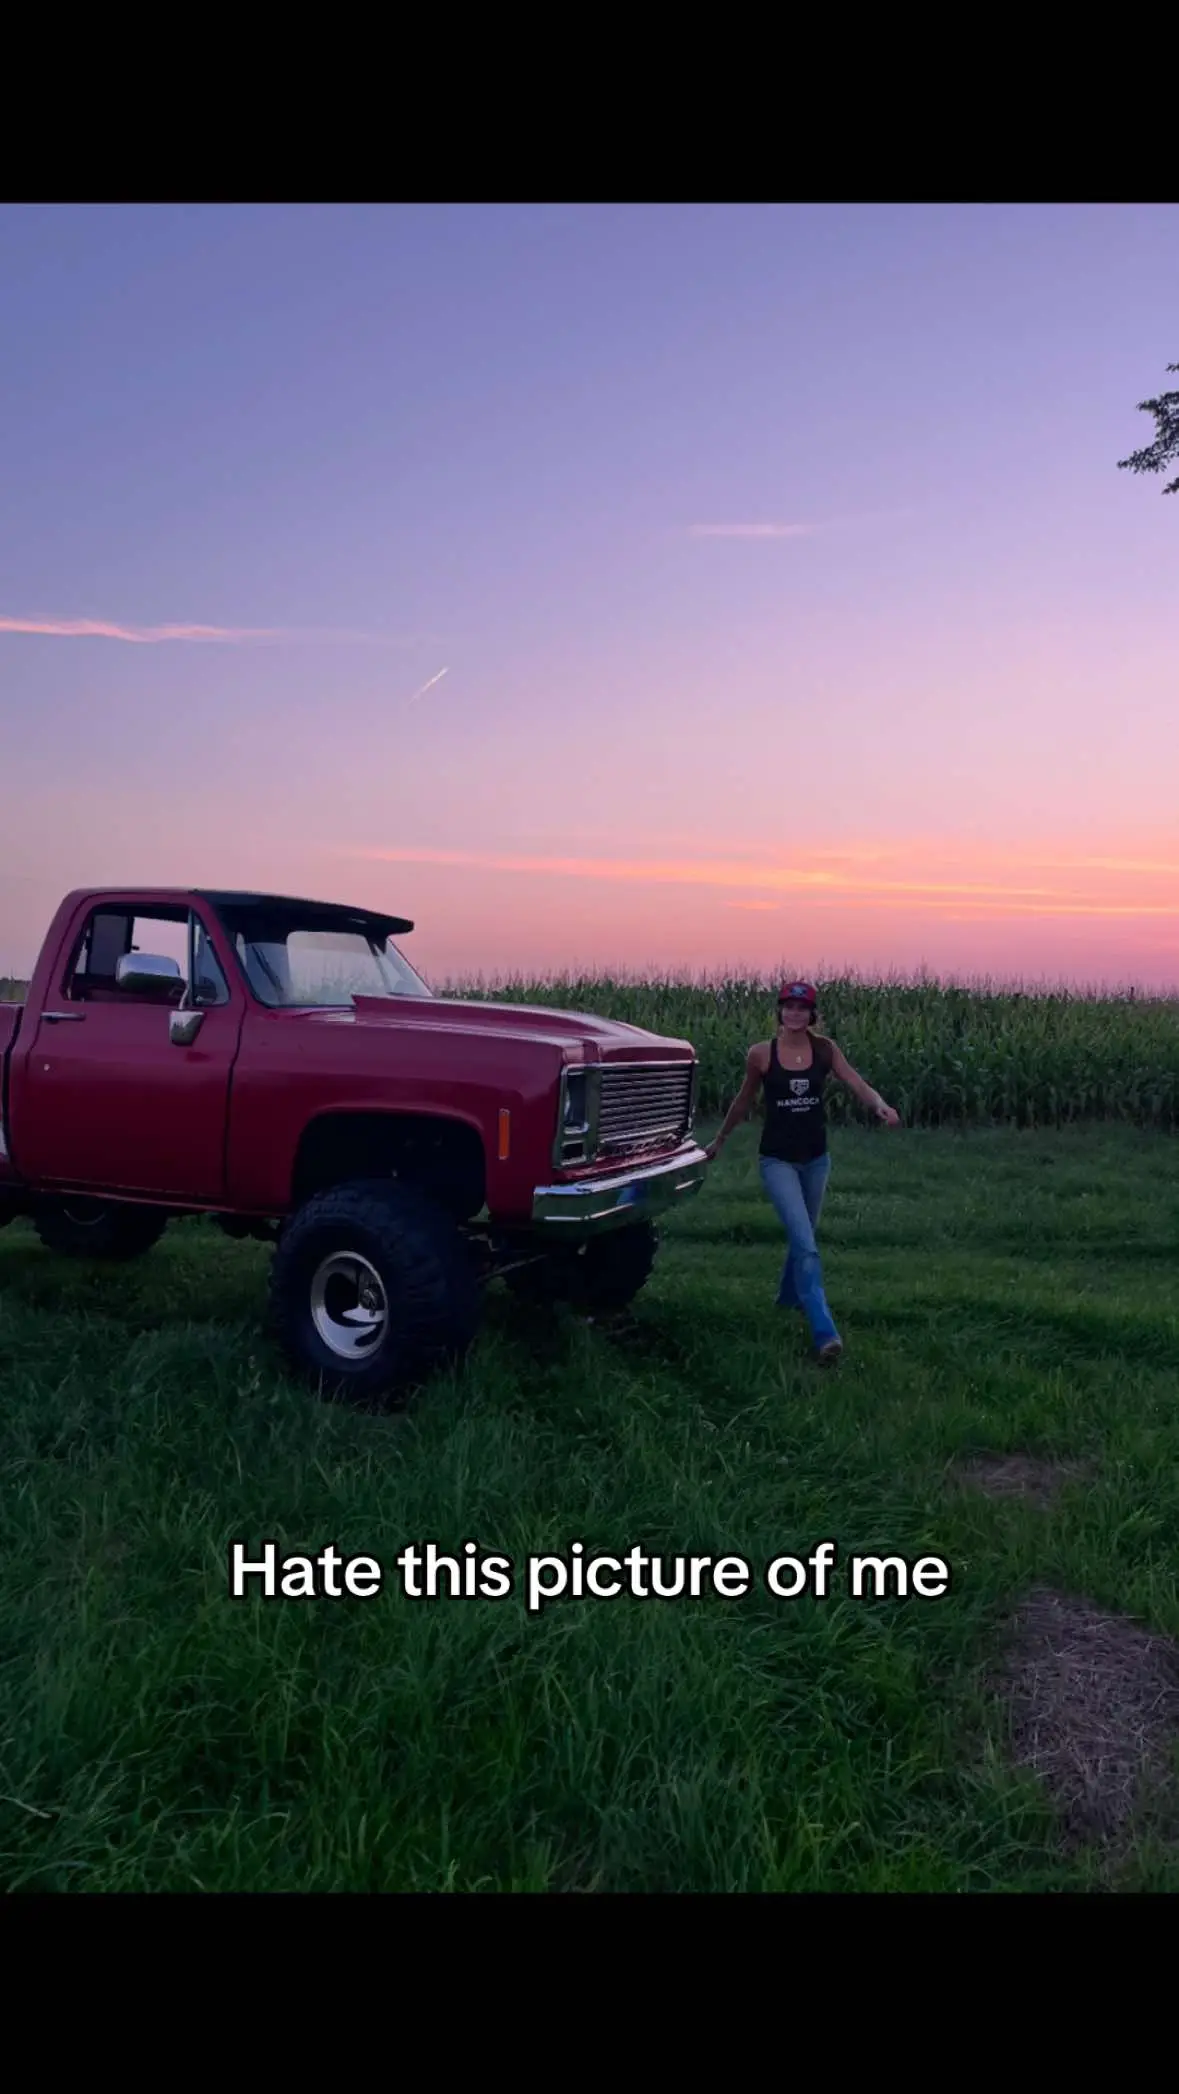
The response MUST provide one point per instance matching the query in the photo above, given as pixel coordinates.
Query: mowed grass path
(998, 1292)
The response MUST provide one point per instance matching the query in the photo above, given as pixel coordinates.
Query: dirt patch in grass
(1023, 1476)
(1092, 1700)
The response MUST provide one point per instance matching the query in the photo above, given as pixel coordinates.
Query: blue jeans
(796, 1191)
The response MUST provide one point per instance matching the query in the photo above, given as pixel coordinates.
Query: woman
(795, 1162)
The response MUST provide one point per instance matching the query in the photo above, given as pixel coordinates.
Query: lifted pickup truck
(278, 1064)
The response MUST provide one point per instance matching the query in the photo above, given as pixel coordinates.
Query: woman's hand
(888, 1115)
(713, 1150)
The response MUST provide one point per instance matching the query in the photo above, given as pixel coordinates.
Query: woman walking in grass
(794, 1161)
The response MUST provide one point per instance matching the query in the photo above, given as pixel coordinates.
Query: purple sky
(931, 717)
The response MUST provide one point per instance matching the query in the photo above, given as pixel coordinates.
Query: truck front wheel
(599, 1277)
(373, 1290)
(108, 1229)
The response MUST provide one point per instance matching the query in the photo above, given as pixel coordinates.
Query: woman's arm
(739, 1109)
(842, 1070)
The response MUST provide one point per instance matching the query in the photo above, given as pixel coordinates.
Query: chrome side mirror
(183, 1026)
(140, 971)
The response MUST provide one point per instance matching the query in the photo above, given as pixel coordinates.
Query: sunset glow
(613, 586)
(1075, 895)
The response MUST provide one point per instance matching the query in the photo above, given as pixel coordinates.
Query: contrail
(427, 686)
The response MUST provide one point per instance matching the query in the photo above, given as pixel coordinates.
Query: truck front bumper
(590, 1205)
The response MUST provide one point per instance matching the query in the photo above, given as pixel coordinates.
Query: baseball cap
(798, 992)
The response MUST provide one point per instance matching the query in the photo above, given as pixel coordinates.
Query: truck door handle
(64, 1017)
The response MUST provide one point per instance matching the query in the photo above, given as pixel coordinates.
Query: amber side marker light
(505, 1133)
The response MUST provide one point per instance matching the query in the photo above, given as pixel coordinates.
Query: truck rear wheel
(373, 1290)
(598, 1277)
(108, 1229)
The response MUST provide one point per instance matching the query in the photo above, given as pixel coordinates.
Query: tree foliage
(1165, 448)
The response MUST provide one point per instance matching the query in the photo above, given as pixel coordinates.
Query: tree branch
(1165, 448)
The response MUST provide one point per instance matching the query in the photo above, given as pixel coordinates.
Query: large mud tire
(600, 1278)
(108, 1229)
(373, 1291)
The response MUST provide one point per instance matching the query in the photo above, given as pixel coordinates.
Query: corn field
(943, 1055)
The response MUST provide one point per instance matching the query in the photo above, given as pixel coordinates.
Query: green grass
(997, 1291)
(942, 1054)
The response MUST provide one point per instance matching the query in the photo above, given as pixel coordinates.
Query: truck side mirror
(140, 972)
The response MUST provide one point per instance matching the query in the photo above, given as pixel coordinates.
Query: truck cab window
(315, 960)
(111, 934)
(210, 986)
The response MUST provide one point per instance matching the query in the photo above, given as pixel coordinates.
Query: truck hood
(583, 1036)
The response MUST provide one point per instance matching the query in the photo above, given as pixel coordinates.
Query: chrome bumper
(593, 1204)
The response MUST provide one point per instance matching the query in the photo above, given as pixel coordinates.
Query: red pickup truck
(279, 1065)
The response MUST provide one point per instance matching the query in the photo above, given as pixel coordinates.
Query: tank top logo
(795, 1129)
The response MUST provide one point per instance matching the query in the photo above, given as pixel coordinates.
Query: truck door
(111, 1094)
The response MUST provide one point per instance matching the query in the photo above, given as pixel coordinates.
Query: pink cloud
(152, 635)
(792, 530)
(1007, 894)
(764, 530)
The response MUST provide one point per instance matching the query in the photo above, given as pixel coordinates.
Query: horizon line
(827, 976)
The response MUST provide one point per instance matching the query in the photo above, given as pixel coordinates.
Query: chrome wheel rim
(349, 1306)
(84, 1215)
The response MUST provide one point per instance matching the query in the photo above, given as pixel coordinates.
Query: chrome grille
(643, 1107)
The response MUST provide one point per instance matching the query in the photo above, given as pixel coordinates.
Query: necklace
(794, 1057)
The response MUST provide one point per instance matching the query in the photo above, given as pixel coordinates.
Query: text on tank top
(796, 1121)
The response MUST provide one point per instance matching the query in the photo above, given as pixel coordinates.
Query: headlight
(574, 1134)
(576, 1095)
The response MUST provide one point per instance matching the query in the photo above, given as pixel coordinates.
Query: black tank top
(796, 1122)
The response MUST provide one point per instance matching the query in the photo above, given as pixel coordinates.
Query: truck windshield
(296, 961)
